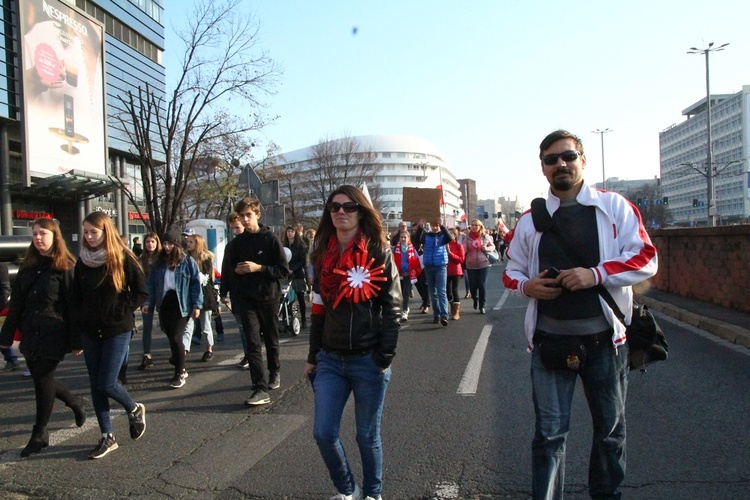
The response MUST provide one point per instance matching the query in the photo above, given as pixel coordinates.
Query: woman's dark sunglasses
(567, 156)
(349, 207)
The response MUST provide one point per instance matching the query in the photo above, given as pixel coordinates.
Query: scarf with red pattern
(351, 276)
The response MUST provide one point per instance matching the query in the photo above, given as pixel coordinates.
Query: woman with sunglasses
(108, 286)
(39, 310)
(353, 334)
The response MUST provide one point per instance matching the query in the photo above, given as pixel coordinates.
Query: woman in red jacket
(456, 257)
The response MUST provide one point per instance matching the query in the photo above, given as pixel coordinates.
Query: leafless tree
(221, 69)
(650, 203)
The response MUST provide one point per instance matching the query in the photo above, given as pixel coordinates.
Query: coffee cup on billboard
(71, 75)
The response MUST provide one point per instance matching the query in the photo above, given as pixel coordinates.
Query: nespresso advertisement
(63, 89)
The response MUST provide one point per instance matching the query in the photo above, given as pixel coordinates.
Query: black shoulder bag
(646, 340)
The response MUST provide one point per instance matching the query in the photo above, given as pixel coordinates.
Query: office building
(68, 65)
(683, 152)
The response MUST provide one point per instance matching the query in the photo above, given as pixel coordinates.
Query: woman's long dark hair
(370, 224)
(170, 259)
(296, 241)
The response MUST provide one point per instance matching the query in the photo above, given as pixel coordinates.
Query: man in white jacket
(592, 238)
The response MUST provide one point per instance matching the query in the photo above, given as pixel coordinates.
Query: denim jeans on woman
(337, 377)
(477, 281)
(604, 378)
(103, 361)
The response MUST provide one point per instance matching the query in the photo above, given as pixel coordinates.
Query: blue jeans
(204, 321)
(477, 281)
(337, 377)
(148, 326)
(437, 278)
(103, 361)
(604, 378)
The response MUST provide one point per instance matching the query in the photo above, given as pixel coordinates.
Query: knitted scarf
(93, 258)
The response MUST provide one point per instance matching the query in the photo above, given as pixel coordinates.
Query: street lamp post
(710, 155)
(601, 134)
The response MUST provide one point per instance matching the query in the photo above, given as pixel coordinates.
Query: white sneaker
(368, 497)
(357, 495)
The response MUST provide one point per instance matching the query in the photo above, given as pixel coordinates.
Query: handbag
(646, 339)
(561, 352)
(492, 256)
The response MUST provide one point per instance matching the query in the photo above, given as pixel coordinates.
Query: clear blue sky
(486, 80)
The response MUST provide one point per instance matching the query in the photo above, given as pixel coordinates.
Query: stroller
(290, 318)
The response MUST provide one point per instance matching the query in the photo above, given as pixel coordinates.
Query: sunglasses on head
(567, 156)
(349, 207)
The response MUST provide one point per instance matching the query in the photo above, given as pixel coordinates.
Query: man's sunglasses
(349, 207)
(567, 156)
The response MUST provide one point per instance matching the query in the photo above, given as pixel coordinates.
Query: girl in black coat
(39, 310)
(298, 267)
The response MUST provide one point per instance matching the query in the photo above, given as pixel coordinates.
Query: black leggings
(173, 324)
(452, 289)
(302, 306)
(47, 388)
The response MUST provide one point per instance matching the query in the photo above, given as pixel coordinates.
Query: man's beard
(562, 183)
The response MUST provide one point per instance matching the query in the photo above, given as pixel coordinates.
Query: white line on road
(470, 380)
(502, 301)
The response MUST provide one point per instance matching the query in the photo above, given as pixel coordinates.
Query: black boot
(79, 412)
(39, 440)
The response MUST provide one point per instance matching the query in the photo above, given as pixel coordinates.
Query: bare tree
(221, 66)
(650, 203)
(338, 161)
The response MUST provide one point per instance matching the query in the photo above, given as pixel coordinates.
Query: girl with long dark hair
(151, 249)
(297, 265)
(353, 334)
(39, 309)
(174, 289)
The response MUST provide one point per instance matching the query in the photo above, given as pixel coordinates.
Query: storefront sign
(23, 214)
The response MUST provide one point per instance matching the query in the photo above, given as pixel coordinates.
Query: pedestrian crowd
(359, 280)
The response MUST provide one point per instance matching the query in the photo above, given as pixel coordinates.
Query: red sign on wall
(23, 214)
(137, 216)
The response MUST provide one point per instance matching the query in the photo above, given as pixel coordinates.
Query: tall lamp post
(710, 156)
(601, 134)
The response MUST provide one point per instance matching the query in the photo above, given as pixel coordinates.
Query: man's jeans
(604, 378)
(337, 377)
(437, 279)
(103, 361)
(9, 355)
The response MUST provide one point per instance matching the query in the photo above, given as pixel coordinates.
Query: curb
(727, 331)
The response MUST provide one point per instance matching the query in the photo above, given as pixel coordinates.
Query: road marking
(445, 490)
(502, 300)
(470, 380)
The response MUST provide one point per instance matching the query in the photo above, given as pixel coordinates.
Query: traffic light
(639, 202)
(499, 215)
(665, 200)
(486, 215)
(695, 202)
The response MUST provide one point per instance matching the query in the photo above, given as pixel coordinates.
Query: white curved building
(405, 161)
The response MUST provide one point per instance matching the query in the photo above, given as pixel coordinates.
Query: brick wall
(707, 264)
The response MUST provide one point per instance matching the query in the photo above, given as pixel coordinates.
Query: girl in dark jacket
(151, 249)
(108, 286)
(354, 326)
(298, 267)
(39, 310)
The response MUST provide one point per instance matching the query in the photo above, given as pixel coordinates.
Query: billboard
(64, 111)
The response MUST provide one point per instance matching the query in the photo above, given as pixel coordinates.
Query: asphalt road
(458, 422)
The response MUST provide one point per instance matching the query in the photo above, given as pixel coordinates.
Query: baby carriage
(289, 314)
